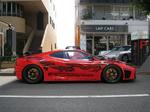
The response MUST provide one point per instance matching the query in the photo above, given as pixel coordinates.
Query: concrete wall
(17, 22)
(46, 4)
(49, 39)
(50, 6)
(29, 21)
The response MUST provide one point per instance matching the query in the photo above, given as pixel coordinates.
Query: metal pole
(3, 43)
(14, 43)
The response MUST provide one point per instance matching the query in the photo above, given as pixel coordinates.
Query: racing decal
(63, 68)
(69, 67)
(93, 67)
(47, 64)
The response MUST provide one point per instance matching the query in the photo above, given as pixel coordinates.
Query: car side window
(72, 55)
(75, 55)
(59, 55)
(125, 48)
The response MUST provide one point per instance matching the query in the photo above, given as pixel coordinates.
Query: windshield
(124, 48)
(115, 49)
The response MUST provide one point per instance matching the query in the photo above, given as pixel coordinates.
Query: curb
(144, 73)
(7, 74)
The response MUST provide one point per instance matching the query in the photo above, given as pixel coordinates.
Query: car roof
(126, 45)
(63, 50)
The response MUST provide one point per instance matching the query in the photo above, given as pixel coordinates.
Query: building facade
(103, 24)
(33, 22)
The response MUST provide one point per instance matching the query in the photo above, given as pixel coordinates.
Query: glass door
(89, 46)
(99, 44)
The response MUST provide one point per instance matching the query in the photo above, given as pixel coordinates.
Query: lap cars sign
(104, 28)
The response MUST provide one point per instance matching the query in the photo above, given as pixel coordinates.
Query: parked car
(71, 65)
(102, 53)
(123, 53)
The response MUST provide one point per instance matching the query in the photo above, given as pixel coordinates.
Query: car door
(72, 65)
(81, 66)
(57, 69)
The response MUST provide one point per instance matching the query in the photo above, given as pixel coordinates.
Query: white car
(122, 53)
(102, 53)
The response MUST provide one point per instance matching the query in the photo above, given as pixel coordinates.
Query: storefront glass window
(111, 12)
(4, 9)
(87, 13)
(18, 9)
(14, 9)
(1, 8)
(21, 11)
(11, 9)
(121, 12)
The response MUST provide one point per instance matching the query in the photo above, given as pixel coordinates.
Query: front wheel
(32, 74)
(111, 74)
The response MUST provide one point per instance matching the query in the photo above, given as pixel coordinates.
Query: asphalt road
(134, 96)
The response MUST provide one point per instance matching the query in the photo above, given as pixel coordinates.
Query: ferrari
(71, 65)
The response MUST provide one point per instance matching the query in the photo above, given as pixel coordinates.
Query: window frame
(66, 56)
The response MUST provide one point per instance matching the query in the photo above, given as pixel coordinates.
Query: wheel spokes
(33, 74)
(111, 74)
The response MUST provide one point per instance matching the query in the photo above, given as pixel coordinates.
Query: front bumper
(129, 73)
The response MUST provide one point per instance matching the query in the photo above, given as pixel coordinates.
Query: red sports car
(71, 65)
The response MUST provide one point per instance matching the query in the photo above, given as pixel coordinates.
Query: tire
(111, 74)
(32, 74)
(125, 58)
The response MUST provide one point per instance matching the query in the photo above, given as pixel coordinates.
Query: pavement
(133, 96)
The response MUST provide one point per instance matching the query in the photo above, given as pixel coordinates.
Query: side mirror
(27, 53)
(90, 58)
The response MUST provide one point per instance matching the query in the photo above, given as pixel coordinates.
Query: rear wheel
(111, 74)
(32, 74)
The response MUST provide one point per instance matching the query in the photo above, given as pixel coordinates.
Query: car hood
(104, 52)
(112, 54)
(112, 61)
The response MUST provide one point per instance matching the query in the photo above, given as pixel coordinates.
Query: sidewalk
(7, 79)
(145, 68)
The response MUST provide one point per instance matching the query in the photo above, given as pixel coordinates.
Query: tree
(144, 5)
